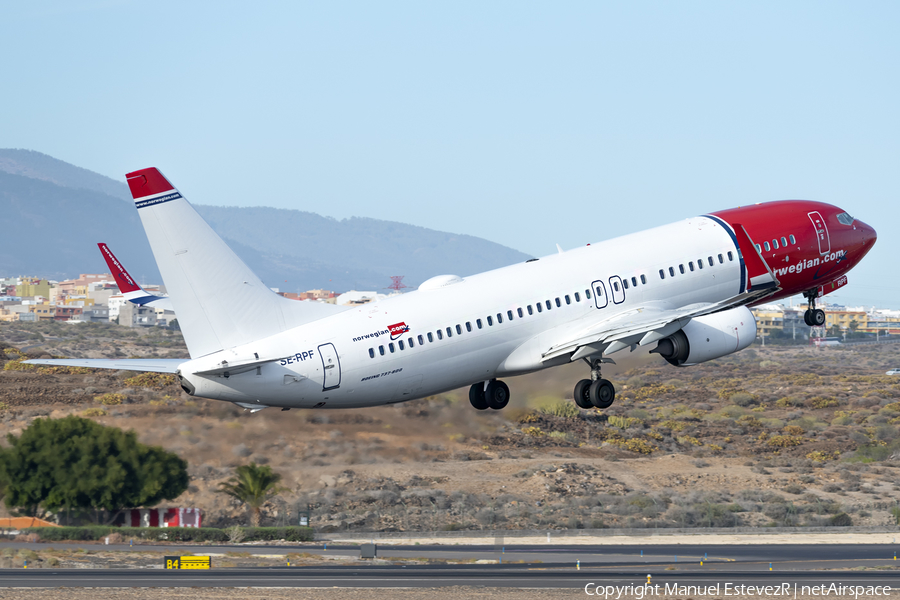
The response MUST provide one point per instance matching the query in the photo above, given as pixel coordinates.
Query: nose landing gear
(595, 392)
(814, 317)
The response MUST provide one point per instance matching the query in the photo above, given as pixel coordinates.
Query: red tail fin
(123, 279)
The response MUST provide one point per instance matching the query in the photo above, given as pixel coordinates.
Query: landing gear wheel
(476, 396)
(817, 317)
(582, 398)
(497, 395)
(602, 393)
(806, 318)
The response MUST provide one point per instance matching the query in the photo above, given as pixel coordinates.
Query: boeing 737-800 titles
(682, 288)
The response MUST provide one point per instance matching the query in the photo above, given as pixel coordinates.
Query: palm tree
(253, 485)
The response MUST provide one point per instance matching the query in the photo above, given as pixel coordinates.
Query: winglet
(125, 282)
(759, 275)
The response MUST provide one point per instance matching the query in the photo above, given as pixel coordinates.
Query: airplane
(131, 289)
(683, 289)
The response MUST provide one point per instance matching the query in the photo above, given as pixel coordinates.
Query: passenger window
(784, 242)
(577, 297)
(662, 274)
(490, 322)
(421, 341)
(548, 305)
(700, 263)
(521, 314)
(766, 246)
(691, 265)
(411, 344)
(459, 329)
(478, 323)
(671, 272)
(568, 300)
(793, 239)
(625, 283)
(775, 244)
(499, 318)
(449, 333)
(430, 337)
(381, 350)
(558, 303)
(721, 261)
(539, 307)
(643, 280)
(634, 282)
(709, 258)
(468, 326)
(400, 343)
(530, 310)
(371, 352)
(758, 248)
(509, 314)
(730, 256)
(439, 334)
(391, 347)
(681, 268)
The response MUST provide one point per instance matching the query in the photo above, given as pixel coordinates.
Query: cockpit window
(845, 219)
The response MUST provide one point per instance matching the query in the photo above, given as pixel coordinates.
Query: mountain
(53, 214)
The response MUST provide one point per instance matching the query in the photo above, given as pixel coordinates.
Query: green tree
(254, 485)
(78, 463)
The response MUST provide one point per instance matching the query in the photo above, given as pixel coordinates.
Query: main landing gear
(493, 395)
(814, 317)
(595, 392)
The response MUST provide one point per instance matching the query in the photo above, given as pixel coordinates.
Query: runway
(564, 567)
(509, 576)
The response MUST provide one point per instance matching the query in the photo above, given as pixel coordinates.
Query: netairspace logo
(787, 590)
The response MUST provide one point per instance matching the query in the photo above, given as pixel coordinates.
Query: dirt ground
(776, 436)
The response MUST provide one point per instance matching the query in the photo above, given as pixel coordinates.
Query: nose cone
(866, 235)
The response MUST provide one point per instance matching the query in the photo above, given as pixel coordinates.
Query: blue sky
(525, 123)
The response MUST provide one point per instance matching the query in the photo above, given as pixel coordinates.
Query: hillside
(54, 213)
(768, 436)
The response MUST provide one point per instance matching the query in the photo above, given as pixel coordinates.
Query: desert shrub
(634, 445)
(784, 441)
(742, 399)
(895, 512)
(788, 402)
(624, 422)
(732, 412)
(565, 410)
(684, 440)
(673, 425)
(841, 520)
(793, 430)
(533, 431)
(820, 402)
(94, 412)
(772, 423)
(819, 456)
(654, 435)
(528, 418)
(653, 391)
(156, 381)
(750, 421)
(893, 407)
(635, 382)
(639, 413)
(235, 534)
(793, 488)
(873, 453)
(885, 433)
(110, 399)
(842, 421)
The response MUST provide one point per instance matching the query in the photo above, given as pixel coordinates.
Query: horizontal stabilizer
(151, 365)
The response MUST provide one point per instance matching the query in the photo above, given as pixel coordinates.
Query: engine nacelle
(708, 337)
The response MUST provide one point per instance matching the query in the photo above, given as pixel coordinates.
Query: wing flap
(151, 365)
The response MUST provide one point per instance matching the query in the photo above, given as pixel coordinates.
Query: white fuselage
(328, 363)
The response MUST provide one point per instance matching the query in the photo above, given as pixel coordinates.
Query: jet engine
(708, 337)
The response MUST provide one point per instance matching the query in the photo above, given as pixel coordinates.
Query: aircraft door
(821, 232)
(600, 298)
(331, 366)
(617, 289)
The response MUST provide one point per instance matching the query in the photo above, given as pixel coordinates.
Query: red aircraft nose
(865, 234)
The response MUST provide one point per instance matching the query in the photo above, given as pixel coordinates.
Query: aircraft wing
(153, 365)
